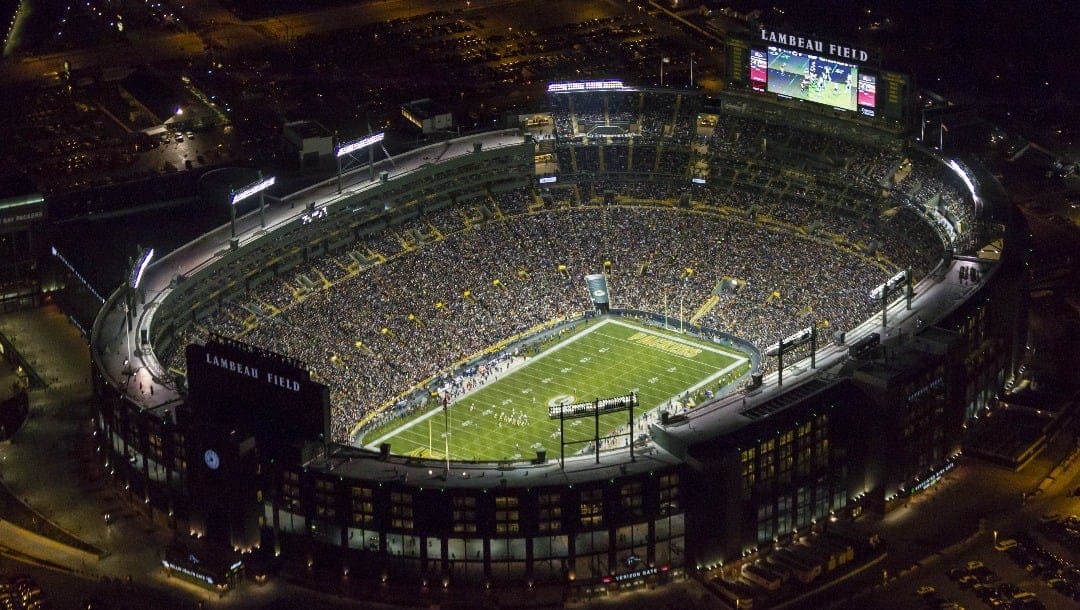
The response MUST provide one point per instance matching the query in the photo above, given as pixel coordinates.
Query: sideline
(374, 445)
(739, 360)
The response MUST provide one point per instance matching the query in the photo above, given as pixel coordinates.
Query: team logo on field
(561, 400)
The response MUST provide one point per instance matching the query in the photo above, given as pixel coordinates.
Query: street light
(663, 60)
(255, 188)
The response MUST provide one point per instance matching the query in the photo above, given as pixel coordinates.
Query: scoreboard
(256, 391)
(816, 70)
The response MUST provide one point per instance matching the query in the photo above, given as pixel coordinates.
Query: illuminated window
(592, 508)
(669, 493)
(363, 510)
(401, 510)
(506, 514)
(464, 514)
(549, 513)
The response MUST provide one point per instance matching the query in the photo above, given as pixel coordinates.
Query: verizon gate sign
(798, 41)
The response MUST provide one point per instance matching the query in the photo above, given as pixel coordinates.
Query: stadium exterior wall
(818, 455)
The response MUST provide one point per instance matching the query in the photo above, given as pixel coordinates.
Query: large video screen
(759, 69)
(867, 93)
(812, 78)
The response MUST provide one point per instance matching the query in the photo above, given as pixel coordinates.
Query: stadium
(642, 333)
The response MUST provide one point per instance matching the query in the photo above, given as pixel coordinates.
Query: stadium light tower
(135, 276)
(255, 188)
(886, 291)
(368, 142)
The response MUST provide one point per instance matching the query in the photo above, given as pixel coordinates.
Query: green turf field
(611, 357)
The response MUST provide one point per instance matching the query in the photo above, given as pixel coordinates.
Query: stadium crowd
(806, 223)
(388, 326)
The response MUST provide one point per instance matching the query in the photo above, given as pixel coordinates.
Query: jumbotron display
(814, 79)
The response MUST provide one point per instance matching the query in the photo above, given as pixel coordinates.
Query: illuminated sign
(75, 272)
(631, 575)
(20, 210)
(261, 185)
(917, 394)
(697, 180)
(548, 179)
(930, 480)
(867, 94)
(592, 85)
(759, 69)
(187, 571)
(364, 142)
(806, 43)
(586, 409)
(253, 372)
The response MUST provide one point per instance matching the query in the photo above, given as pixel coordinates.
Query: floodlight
(364, 142)
(140, 267)
(252, 189)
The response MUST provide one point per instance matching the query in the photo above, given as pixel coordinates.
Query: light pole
(682, 296)
(663, 60)
(367, 142)
(135, 276)
(446, 431)
(255, 188)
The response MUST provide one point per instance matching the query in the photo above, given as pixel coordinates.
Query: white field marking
(374, 445)
(738, 359)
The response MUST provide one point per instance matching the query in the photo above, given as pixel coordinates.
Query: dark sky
(968, 44)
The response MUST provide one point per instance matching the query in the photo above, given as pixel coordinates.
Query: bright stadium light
(350, 147)
(252, 189)
(134, 279)
(364, 142)
(139, 268)
(968, 182)
(592, 85)
(889, 285)
(885, 290)
(255, 188)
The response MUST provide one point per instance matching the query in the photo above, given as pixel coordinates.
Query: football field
(507, 417)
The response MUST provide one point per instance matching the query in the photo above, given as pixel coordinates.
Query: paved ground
(955, 522)
(49, 467)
